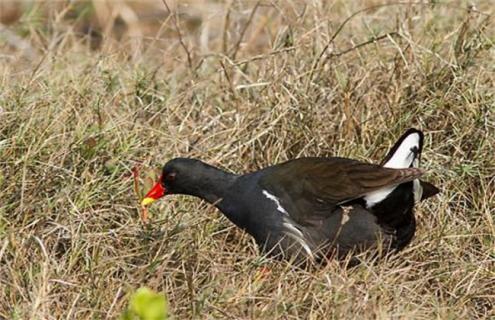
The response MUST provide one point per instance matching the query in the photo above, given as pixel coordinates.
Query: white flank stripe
(297, 235)
(277, 202)
(374, 197)
(417, 191)
(292, 231)
(291, 227)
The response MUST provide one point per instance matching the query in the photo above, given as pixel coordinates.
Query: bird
(313, 208)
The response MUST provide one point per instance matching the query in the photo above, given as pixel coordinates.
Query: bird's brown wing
(309, 189)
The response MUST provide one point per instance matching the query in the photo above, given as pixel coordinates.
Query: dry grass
(75, 122)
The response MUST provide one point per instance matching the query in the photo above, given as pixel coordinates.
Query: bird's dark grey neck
(212, 185)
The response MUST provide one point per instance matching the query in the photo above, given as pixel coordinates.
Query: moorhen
(315, 208)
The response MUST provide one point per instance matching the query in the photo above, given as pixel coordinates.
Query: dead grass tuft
(274, 83)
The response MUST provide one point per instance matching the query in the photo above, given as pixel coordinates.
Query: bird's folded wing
(309, 189)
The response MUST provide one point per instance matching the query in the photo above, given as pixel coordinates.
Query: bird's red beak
(154, 194)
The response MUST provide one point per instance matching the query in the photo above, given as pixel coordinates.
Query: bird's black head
(183, 175)
(187, 176)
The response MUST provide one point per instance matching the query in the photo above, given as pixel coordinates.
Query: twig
(226, 24)
(243, 32)
(144, 209)
(263, 56)
(362, 44)
(229, 80)
(135, 176)
(181, 40)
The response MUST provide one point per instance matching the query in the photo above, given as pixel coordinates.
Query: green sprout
(145, 304)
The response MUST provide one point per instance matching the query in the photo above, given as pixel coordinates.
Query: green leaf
(145, 304)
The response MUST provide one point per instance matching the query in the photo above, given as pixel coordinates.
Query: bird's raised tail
(405, 153)
(393, 206)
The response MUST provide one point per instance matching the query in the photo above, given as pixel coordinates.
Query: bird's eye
(170, 177)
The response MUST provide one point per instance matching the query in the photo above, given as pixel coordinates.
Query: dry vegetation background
(87, 95)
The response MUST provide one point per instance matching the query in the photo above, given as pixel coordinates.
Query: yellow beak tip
(147, 201)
